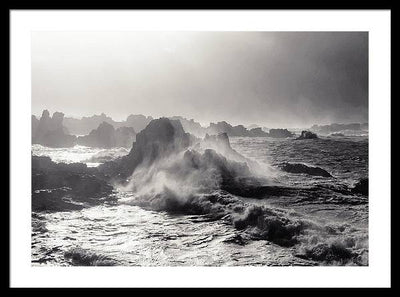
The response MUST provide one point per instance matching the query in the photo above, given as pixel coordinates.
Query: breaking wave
(92, 157)
(81, 257)
(107, 155)
(206, 178)
(168, 170)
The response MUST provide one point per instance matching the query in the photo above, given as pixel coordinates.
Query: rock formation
(301, 168)
(105, 136)
(258, 132)
(60, 187)
(124, 137)
(280, 133)
(307, 135)
(234, 131)
(163, 149)
(50, 131)
(220, 143)
(84, 125)
(35, 124)
(335, 127)
(102, 137)
(137, 121)
(224, 127)
(361, 187)
(160, 138)
(190, 126)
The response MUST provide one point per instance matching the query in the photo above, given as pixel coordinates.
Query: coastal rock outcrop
(160, 138)
(191, 126)
(335, 127)
(221, 144)
(224, 127)
(61, 187)
(49, 131)
(301, 168)
(137, 121)
(361, 187)
(280, 133)
(124, 137)
(165, 159)
(84, 125)
(258, 132)
(307, 135)
(105, 136)
(235, 131)
(35, 124)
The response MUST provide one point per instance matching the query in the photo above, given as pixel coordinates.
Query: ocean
(318, 223)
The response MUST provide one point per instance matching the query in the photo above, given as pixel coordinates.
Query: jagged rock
(210, 161)
(220, 143)
(84, 125)
(258, 132)
(159, 139)
(280, 133)
(220, 140)
(164, 138)
(326, 129)
(35, 124)
(301, 168)
(124, 137)
(307, 135)
(137, 121)
(235, 131)
(361, 187)
(224, 127)
(57, 120)
(105, 136)
(51, 132)
(60, 187)
(190, 126)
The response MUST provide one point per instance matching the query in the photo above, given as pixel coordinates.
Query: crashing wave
(345, 250)
(168, 170)
(81, 257)
(260, 222)
(107, 155)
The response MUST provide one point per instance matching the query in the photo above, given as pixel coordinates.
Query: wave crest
(82, 257)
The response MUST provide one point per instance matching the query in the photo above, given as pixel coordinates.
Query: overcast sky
(274, 79)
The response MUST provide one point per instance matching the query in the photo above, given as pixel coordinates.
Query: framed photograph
(200, 148)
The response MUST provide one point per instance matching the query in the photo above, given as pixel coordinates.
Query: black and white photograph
(200, 148)
(210, 148)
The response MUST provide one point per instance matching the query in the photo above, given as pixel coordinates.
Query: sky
(272, 79)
